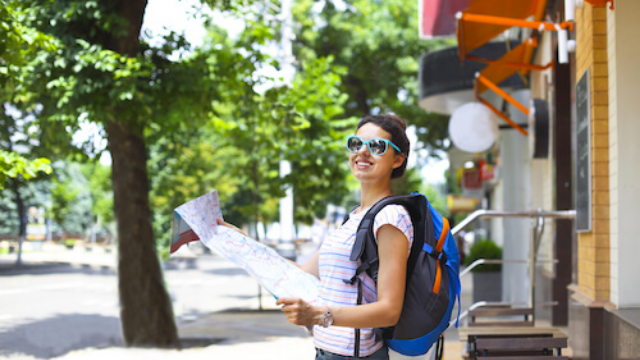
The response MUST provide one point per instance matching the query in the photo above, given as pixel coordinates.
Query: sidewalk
(236, 335)
(55, 255)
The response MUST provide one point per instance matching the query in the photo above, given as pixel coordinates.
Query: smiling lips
(363, 164)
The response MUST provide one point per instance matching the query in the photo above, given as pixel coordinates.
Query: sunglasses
(376, 146)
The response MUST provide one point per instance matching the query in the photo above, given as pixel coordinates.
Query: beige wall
(623, 28)
(593, 246)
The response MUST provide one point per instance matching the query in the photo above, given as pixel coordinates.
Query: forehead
(370, 131)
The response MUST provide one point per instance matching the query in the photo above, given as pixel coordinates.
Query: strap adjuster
(438, 255)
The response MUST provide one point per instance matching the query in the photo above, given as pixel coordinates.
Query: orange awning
(516, 60)
(473, 34)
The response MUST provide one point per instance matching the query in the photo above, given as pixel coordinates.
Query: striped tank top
(335, 266)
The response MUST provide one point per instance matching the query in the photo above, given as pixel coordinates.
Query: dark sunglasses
(376, 146)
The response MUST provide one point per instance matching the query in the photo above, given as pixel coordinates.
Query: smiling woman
(377, 153)
(345, 323)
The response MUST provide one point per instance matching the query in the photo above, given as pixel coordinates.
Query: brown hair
(395, 126)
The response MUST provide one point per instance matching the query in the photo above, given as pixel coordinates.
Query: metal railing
(539, 216)
(558, 214)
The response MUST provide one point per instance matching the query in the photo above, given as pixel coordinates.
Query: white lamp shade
(473, 128)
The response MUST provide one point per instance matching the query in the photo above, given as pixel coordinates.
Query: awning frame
(489, 84)
(520, 66)
(510, 22)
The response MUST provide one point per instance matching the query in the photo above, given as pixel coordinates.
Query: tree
(187, 164)
(17, 140)
(302, 127)
(102, 71)
(13, 165)
(377, 42)
(18, 45)
(71, 198)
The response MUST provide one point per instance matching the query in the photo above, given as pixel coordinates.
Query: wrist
(319, 312)
(326, 317)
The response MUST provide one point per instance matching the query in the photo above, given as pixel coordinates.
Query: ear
(398, 160)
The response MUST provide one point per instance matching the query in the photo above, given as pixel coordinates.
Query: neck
(371, 193)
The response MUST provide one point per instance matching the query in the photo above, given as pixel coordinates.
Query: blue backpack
(433, 281)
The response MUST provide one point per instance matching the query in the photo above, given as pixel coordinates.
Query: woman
(378, 153)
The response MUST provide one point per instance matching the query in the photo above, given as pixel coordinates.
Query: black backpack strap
(346, 217)
(365, 248)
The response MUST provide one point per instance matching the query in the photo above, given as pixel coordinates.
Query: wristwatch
(327, 318)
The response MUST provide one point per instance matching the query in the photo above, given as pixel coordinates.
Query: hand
(300, 312)
(232, 227)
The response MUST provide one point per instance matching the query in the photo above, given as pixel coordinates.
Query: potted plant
(487, 279)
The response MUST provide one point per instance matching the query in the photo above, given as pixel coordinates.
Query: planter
(487, 286)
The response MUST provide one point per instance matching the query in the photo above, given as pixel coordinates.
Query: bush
(70, 242)
(484, 249)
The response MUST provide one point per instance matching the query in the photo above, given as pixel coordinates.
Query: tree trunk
(22, 216)
(146, 313)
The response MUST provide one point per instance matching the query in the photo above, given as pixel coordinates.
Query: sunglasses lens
(354, 144)
(377, 146)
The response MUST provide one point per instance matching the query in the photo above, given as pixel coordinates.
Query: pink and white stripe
(335, 267)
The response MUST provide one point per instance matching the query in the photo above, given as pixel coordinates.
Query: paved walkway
(236, 335)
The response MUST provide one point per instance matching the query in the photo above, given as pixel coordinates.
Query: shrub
(484, 249)
(70, 242)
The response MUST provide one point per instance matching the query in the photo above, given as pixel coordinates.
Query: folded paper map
(202, 210)
(196, 220)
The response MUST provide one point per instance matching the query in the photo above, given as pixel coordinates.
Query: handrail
(556, 214)
(488, 261)
(537, 229)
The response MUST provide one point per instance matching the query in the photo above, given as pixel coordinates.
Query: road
(48, 312)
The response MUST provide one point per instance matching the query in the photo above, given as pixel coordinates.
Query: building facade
(591, 147)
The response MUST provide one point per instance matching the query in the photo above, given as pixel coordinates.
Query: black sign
(583, 153)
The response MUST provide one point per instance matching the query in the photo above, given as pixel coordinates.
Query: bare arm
(311, 266)
(392, 249)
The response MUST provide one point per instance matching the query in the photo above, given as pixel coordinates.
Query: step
(528, 343)
(500, 312)
(501, 323)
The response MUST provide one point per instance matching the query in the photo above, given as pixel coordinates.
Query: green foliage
(301, 123)
(12, 165)
(70, 242)
(410, 182)
(377, 42)
(71, 198)
(100, 190)
(437, 199)
(484, 249)
(184, 166)
(19, 43)
(203, 116)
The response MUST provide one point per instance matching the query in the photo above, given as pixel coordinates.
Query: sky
(162, 16)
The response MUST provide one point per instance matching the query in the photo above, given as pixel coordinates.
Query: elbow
(394, 318)
(391, 316)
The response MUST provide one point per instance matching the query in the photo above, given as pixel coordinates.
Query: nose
(364, 149)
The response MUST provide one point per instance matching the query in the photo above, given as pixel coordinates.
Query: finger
(286, 301)
(224, 223)
(231, 226)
